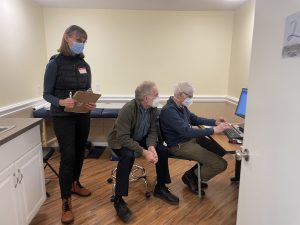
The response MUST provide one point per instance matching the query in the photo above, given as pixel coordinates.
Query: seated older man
(135, 132)
(187, 142)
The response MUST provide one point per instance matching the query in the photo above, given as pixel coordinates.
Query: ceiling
(180, 5)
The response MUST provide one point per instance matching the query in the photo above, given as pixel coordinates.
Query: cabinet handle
(20, 180)
(17, 180)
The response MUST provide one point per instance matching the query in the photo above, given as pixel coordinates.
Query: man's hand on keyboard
(221, 127)
(220, 120)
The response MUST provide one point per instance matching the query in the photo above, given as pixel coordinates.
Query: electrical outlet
(97, 87)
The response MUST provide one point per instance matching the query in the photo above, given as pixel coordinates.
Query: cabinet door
(31, 185)
(8, 197)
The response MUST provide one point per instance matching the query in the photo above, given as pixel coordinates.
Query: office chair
(137, 173)
(47, 154)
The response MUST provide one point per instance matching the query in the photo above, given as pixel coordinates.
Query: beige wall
(23, 51)
(126, 47)
(241, 48)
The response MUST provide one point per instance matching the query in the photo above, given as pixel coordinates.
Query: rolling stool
(137, 173)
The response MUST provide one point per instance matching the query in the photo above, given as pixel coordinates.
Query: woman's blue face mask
(77, 47)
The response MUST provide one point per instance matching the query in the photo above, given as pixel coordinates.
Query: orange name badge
(82, 70)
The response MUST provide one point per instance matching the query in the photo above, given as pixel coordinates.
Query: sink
(5, 128)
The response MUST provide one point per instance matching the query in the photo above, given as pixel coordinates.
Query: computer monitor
(241, 106)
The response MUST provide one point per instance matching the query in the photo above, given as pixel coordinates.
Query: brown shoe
(78, 189)
(67, 215)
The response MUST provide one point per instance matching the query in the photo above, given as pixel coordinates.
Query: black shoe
(204, 185)
(193, 175)
(189, 180)
(161, 191)
(123, 211)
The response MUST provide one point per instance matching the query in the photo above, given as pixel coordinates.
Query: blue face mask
(77, 47)
(187, 102)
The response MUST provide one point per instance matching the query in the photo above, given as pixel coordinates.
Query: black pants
(72, 134)
(126, 160)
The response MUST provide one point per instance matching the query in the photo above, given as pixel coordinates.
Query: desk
(222, 141)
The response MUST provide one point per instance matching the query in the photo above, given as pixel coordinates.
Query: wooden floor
(218, 207)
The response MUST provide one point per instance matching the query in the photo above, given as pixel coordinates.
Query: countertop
(21, 125)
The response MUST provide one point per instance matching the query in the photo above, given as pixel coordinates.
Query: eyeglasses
(190, 96)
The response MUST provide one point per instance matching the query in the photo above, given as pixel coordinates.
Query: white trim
(37, 103)
(163, 98)
(99, 143)
(20, 106)
(232, 100)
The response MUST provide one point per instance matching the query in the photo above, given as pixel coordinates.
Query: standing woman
(65, 74)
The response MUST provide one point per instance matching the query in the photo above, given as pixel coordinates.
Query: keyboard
(232, 134)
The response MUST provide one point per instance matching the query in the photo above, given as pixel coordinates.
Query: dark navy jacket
(176, 124)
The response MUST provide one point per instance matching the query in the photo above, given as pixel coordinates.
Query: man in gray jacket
(135, 132)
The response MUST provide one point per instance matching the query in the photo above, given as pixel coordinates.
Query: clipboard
(81, 98)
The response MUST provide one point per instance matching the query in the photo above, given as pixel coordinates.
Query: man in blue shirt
(187, 142)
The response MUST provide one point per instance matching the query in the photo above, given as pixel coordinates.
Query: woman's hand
(67, 102)
(90, 106)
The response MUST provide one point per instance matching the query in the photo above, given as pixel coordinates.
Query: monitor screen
(241, 106)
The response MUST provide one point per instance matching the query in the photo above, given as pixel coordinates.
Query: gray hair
(184, 87)
(143, 90)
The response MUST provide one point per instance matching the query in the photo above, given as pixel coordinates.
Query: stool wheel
(109, 180)
(147, 194)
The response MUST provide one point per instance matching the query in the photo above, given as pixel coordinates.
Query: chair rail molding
(37, 103)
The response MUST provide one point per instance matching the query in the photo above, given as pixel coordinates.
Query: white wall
(269, 187)
(23, 52)
(241, 48)
(125, 47)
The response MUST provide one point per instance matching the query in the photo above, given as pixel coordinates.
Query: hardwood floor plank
(218, 207)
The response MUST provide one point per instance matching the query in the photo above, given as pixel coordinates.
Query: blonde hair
(73, 29)
(143, 90)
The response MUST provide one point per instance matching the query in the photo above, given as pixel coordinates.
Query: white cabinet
(22, 184)
(9, 198)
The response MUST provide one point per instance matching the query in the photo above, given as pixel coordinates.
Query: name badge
(82, 70)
